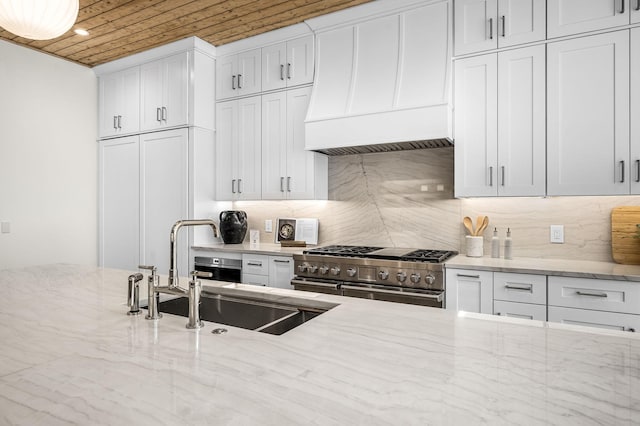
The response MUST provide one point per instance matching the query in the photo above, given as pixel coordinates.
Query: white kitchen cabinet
(165, 196)
(280, 271)
(520, 295)
(566, 17)
(119, 203)
(499, 125)
(520, 310)
(287, 64)
(599, 319)
(489, 24)
(119, 103)
(635, 110)
(165, 92)
(588, 115)
(239, 74)
(238, 149)
(468, 290)
(288, 170)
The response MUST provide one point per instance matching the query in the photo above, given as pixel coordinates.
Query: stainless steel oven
(221, 269)
(412, 276)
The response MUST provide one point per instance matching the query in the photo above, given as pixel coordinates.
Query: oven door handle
(333, 286)
(437, 297)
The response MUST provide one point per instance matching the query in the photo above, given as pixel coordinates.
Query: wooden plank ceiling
(120, 28)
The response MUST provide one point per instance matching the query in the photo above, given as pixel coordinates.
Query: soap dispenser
(495, 244)
(508, 245)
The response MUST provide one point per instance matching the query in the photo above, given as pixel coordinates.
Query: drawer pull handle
(254, 264)
(589, 293)
(629, 329)
(468, 276)
(280, 261)
(519, 287)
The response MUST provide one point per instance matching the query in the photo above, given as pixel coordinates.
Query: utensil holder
(475, 246)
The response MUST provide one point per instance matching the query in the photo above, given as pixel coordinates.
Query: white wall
(48, 165)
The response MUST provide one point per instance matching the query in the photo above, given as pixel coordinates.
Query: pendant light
(38, 19)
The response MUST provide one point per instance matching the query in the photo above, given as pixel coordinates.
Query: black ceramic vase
(233, 226)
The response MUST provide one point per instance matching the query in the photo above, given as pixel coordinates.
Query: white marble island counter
(69, 354)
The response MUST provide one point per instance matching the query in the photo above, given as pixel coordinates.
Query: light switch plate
(556, 234)
(268, 225)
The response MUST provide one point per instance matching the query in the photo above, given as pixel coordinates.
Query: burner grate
(341, 250)
(431, 256)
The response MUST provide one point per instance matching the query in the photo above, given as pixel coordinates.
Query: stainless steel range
(402, 275)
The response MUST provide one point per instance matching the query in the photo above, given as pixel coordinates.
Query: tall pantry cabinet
(162, 172)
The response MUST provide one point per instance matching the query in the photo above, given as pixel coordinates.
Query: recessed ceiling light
(81, 32)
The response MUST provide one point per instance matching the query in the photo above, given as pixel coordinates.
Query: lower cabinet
(520, 310)
(470, 291)
(520, 295)
(600, 319)
(271, 271)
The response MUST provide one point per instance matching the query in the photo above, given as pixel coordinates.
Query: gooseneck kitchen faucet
(173, 287)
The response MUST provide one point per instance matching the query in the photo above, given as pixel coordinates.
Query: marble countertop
(70, 354)
(260, 248)
(562, 267)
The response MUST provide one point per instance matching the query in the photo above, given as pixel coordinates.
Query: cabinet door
(151, 93)
(587, 318)
(226, 144)
(567, 17)
(119, 103)
(274, 144)
(226, 70)
(249, 149)
(470, 291)
(299, 66)
(274, 66)
(176, 90)
(588, 115)
(249, 76)
(280, 271)
(110, 101)
(300, 164)
(520, 21)
(521, 122)
(635, 110)
(119, 203)
(476, 123)
(165, 197)
(475, 25)
(520, 310)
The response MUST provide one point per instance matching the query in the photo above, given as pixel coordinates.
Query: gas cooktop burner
(436, 256)
(369, 252)
(339, 250)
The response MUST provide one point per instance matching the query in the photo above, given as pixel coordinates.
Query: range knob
(324, 269)
(302, 267)
(401, 276)
(335, 271)
(383, 275)
(313, 269)
(415, 278)
(430, 279)
(351, 272)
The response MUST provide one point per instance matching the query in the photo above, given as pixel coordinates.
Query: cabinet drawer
(525, 288)
(255, 264)
(601, 295)
(520, 310)
(255, 279)
(588, 318)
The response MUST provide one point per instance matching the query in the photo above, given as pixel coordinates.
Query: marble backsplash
(405, 199)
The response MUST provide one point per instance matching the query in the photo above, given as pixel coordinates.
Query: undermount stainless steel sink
(263, 312)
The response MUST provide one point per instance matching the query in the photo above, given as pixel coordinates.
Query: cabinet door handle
(281, 72)
(119, 122)
(490, 28)
(281, 183)
(490, 175)
(623, 9)
(629, 329)
(239, 81)
(233, 186)
(164, 113)
(504, 25)
(233, 82)
(254, 264)
(622, 171)
(115, 120)
(637, 4)
(502, 175)
(239, 190)
(591, 294)
(288, 71)
(281, 261)
(638, 161)
(158, 114)
(525, 287)
(468, 276)
(288, 183)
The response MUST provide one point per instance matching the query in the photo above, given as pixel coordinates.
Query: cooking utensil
(483, 225)
(468, 224)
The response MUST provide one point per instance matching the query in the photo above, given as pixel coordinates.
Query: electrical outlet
(268, 225)
(5, 227)
(556, 234)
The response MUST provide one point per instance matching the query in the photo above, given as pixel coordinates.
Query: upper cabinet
(119, 103)
(500, 124)
(588, 115)
(635, 110)
(481, 25)
(239, 74)
(568, 17)
(165, 92)
(287, 64)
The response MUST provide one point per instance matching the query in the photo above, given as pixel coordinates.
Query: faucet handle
(200, 274)
(151, 268)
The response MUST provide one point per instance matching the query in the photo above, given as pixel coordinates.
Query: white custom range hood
(382, 81)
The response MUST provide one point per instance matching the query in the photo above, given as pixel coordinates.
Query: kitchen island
(70, 354)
